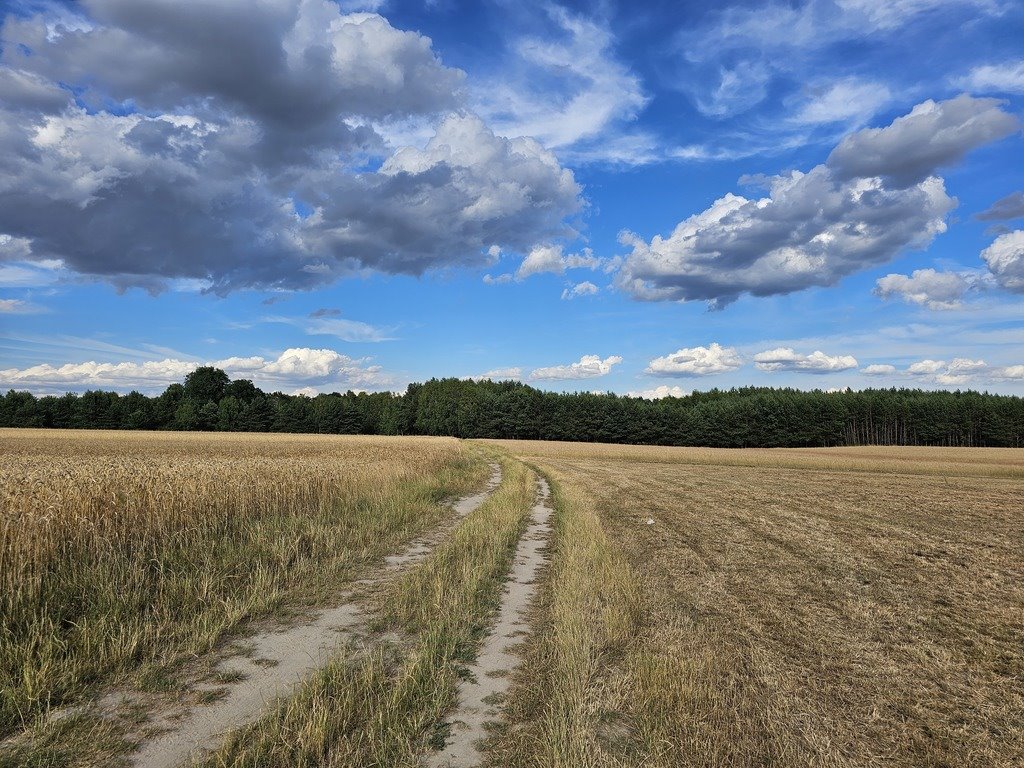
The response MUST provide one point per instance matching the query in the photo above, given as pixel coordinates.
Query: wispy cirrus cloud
(327, 323)
(568, 89)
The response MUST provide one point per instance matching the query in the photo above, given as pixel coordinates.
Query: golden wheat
(122, 552)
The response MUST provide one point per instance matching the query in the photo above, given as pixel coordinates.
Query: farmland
(122, 555)
(797, 607)
(791, 607)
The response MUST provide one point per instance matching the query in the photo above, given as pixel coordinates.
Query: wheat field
(855, 607)
(124, 553)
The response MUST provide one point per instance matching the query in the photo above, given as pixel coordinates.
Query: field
(832, 607)
(783, 607)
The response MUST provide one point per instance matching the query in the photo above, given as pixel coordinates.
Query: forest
(745, 417)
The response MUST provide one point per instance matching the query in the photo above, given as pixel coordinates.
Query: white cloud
(1005, 260)
(1007, 77)
(927, 287)
(323, 368)
(210, 180)
(842, 101)
(961, 370)
(586, 288)
(329, 325)
(549, 258)
(873, 198)
(1010, 372)
(498, 279)
(736, 89)
(18, 307)
(879, 370)
(926, 367)
(660, 392)
(568, 90)
(696, 361)
(890, 14)
(588, 367)
(735, 59)
(503, 374)
(786, 359)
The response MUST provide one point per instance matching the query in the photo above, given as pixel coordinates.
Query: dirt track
(489, 679)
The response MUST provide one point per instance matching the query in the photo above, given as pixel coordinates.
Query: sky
(647, 198)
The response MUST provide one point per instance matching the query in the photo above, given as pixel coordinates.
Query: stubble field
(851, 607)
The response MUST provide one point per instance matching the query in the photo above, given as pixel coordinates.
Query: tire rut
(490, 675)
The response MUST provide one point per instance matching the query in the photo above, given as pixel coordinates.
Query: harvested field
(816, 607)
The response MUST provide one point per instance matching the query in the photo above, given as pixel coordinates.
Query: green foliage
(737, 418)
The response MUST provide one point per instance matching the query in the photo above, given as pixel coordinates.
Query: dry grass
(954, 462)
(123, 553)
(381, 709)
(834, 608)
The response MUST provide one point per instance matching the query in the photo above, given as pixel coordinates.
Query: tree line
(745, 417)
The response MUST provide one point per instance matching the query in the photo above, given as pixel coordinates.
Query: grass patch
(587, 615)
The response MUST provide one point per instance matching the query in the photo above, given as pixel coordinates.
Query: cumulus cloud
(925, 367)
(660, 392)
(588, 367)
(323, 368)
(874, 197)
(962, 371)
(927, 287)
(235, 144)
(1004, 209)
(1007, 77)
(786, 359)
(1010, 372)
(503, 374)
(696, 361)
(549, 258)
(586, 288)
(1005, 260)
(957, 372)
(879, 370)
(934, 135)
(498, 279)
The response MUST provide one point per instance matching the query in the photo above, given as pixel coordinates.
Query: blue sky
(646, 197)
